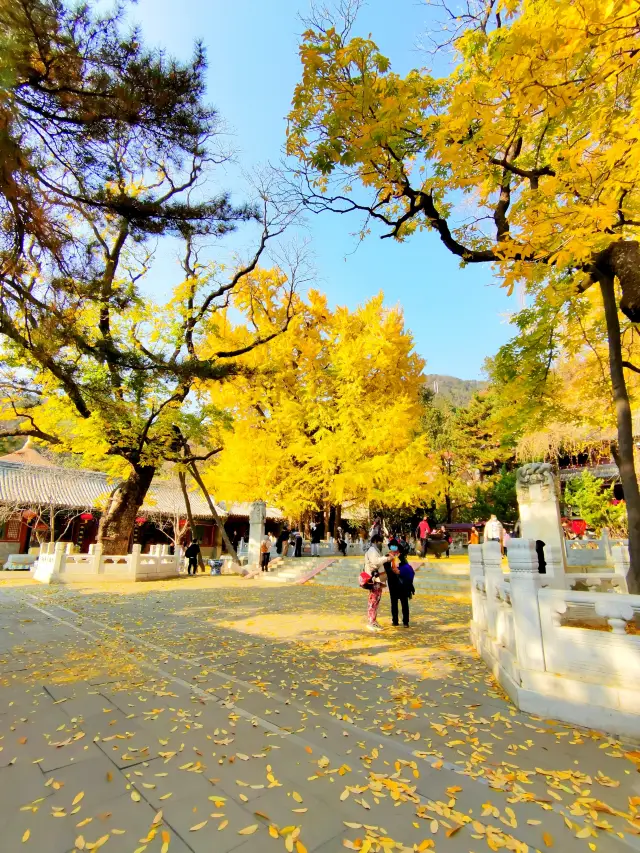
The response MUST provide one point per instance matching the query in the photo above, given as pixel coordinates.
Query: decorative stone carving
(522, 556)
(535, 473)
(540, 514)
(616, 613)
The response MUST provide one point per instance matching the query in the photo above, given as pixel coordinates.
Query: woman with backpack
(374, 580)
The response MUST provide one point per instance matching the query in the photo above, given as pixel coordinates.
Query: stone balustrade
(560, 653)
(57, 563)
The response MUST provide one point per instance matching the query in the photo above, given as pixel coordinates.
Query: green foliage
(499, 497)
(466, 448)
(590, 499)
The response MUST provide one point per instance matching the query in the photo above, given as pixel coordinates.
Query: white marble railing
(58, 564)
(565, 654)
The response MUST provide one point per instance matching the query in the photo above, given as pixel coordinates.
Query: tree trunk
(624, 259)
(447, 501)
(214, 511)
(337, 522)
(118, 520)
(625, 430)
(187, 503)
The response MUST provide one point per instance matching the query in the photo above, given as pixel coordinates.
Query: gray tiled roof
(32, 485)
(25, 485)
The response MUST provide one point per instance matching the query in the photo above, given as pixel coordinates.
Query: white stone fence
(564, 654)
(58, 564)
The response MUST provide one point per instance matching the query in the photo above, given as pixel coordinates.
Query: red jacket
(423, 529)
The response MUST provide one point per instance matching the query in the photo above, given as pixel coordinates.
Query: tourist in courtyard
(297, 543)
(444, 534)
(265, 552)
(191, 553)
(282, 542)
(341, 542)
(376, 529)
(505, 542)
(493, 530)
(400, 575)
(316, 536)
(422, 534)
(374, 562)
(474, 536)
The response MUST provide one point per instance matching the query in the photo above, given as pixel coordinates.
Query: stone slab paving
(215, 714)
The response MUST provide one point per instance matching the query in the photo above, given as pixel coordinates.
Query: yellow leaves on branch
(544, 107)
(341, 392)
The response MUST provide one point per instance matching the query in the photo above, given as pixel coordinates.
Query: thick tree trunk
(214, 512)
(182, 477)
(118, 520)
(624, 259)
(626, 462)
(447, 501)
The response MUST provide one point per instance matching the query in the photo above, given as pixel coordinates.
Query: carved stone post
(492, 559)
(257, 518)
(478, 611)
(525, 581)
(540, 518)
(621, 563)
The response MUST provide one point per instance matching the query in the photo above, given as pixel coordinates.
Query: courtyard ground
(219, 714)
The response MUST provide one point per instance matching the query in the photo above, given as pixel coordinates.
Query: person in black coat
(282, 538)
(400, 582)
(191, 553)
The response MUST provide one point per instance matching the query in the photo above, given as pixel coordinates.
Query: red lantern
(140, 520)
(86, 516)
(29, 515)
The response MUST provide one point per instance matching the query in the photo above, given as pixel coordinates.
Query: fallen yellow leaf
(26, 835)
(248, 830)
(198, 826)
(77, 798)
(548, 839)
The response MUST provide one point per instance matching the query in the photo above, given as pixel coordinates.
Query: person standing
(341, 542)
(316, 535)
(505, 542)
(423, 532)
(400, 577)
(298, 542)
(474, 536)
(191, 553)
(493, 530)
(446, 538)
(265, 552)
(282, 542)
(373, 563)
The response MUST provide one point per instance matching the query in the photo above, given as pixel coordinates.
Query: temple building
(36, 494)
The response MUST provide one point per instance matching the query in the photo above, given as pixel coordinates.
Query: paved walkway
(215, 714)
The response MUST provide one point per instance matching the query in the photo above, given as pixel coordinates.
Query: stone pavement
(216, 714)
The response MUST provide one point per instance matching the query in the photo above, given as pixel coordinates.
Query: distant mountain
(457, 391)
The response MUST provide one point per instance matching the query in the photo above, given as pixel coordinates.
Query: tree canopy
(108, 144)
(333, 418)
(525, 156)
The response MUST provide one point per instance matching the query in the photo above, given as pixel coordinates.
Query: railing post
(621, 563)
(135, 561)
(525, 581)
(492, 559)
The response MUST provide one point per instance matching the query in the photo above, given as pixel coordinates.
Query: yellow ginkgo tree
(326, 414)
(526, 156)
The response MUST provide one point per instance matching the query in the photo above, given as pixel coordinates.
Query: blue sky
(457, 317)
